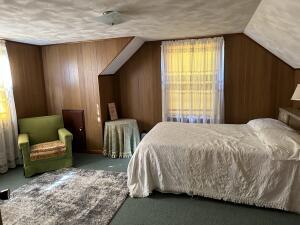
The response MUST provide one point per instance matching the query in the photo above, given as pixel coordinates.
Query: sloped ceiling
(276, 26)
(124, 55)
(57, 21)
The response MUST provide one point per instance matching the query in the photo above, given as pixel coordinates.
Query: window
(9, 153)
(3, 104)
(192, 80)
(5, 83)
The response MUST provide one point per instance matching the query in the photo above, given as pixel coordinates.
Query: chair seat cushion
(47, 150)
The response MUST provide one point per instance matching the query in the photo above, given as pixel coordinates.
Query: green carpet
(168, 209)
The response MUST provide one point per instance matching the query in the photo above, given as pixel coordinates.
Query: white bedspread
(228, 162)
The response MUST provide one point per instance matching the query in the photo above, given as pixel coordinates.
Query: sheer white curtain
(193, 80)
(9, 154)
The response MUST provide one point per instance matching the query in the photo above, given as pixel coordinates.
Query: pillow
(268, 123)
(282, 144)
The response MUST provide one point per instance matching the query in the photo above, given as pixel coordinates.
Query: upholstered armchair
(45, 144)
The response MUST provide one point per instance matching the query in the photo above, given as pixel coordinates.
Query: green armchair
(45, 144)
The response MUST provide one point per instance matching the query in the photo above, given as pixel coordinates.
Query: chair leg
(26, 173)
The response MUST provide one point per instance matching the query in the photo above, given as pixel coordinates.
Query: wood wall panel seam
(28, 79)
(254, 84)
(129, 40)
(71, 79)
(49, 78)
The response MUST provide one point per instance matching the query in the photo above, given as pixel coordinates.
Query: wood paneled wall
(256, 83)
(140, 86)
(109, 92)
(28, 80)
(71, 80)
(297, 77)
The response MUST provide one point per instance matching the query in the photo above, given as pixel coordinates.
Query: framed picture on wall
(112, 111)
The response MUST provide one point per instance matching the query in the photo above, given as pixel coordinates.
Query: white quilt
(238, 163)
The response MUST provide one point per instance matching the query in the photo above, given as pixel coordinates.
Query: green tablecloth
(120, 138)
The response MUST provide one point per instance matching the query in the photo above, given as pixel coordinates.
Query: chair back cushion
(41, 129)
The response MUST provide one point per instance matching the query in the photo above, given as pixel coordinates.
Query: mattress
(247, 163)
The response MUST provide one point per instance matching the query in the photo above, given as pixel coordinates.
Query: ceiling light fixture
(111, 17)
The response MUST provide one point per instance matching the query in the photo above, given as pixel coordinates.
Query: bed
(257, 163)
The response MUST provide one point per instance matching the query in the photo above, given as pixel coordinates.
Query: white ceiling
(276, 26)
(57, 21)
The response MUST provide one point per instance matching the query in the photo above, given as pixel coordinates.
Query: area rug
(67, 196)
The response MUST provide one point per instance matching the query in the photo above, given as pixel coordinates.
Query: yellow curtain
(192, 80)
(9, 154)
(3, 105)
(5, 83)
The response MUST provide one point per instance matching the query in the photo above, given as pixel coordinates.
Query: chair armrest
(65, 135)
(23, 140)
(24, 146)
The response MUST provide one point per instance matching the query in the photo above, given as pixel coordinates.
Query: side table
(121, 138)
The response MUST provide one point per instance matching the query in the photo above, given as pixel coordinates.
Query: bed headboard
(290, 116)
